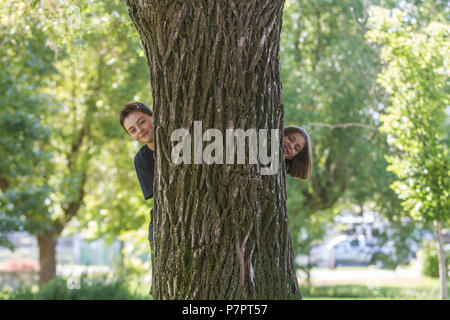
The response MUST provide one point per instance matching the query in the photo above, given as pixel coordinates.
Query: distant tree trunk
(122, 255)
(308, 272)
(220, 231)
(47, 256)
(442, 260)
(4, 183)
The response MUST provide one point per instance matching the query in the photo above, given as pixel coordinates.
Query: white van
(350, 249)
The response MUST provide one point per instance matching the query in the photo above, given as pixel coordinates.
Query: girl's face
(293, 144)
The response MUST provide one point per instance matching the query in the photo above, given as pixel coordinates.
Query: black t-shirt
(144, 163)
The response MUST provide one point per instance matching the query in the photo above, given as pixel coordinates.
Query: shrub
(98, 288)
(21, 293)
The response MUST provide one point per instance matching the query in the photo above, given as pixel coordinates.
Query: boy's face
(140, 126)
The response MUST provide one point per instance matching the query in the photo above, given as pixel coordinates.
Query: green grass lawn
(428, 289)
(417, 288)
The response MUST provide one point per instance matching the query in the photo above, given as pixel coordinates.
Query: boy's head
(137, 119)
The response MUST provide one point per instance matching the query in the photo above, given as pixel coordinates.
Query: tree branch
(343, 125)
(4, 183)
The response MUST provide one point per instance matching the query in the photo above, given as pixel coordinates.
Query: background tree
(25, 63)
(329, 74)
(416, 123)
(221, 231)
(86, 92)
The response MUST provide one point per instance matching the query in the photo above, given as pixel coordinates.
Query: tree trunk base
(47, 256)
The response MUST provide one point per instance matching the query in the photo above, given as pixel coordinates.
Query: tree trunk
(308, 273)
(221, 230)
(442, 261)
(4, 183)
(47, 256)
(122, 255)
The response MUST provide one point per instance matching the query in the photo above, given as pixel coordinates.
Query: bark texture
(220, 231)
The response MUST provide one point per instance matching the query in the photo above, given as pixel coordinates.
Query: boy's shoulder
(144, 156)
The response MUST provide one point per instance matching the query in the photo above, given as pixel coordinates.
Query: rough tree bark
(220, 231)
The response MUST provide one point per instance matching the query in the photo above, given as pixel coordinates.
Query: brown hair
(300, 166)
(131, 107)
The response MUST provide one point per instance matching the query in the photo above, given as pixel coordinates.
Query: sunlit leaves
(67, 68)
(328, 74)
(416, 121)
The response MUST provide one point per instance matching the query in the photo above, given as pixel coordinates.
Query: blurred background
(368, 80)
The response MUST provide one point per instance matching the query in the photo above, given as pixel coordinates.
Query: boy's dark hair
(131, 107)
(300, 166)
